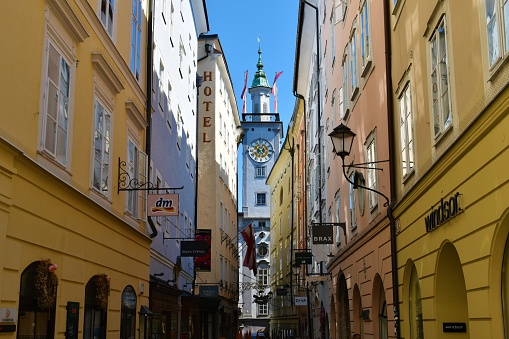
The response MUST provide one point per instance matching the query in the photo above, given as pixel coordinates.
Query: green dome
(260, 80)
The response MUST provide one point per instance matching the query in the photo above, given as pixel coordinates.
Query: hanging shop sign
(193, 248)
(159, 205)
(443, 211)
(323, 234)
(303, 258)
(209, 291)
(301, 301)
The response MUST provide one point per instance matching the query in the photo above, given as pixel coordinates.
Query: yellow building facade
(283, 233)
(74, 247)
(450, 80)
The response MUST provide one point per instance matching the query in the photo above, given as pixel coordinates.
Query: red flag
(249, 238)
(243, 95)
(278, 74)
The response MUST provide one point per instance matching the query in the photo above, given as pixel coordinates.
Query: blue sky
(238, 24)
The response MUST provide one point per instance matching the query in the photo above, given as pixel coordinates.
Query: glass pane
(61, 145)
(53, 61)
(506, 25)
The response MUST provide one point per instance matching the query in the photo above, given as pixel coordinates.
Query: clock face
(260, 150)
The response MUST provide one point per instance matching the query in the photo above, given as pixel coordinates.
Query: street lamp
(342, 139)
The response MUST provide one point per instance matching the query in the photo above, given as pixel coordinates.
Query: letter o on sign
(207, 91)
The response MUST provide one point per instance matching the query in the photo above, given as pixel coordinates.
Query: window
(340, 9)
(160, 94)
(415, 304)
(56, 115)
(262, 250)
(442, 119)
(182, 54)
(497, 21)
(136, 38)
(107, 15)
(354, 74)
(221, 215)
(365, 36)
(128, 314)
(102, 133)
(172, 20)
(344, 89)
(338, 219)
(261, 199)
(332, 22)
(136, 169)
(406, 131)
(353, 200)
(263, 309)
(371, 174)
(263, 276)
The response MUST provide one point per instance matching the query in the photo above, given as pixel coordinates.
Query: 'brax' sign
(322, 235)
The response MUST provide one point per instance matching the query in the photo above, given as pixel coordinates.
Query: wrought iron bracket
(126, 183)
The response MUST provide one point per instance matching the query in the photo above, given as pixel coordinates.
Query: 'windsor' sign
(445, 210)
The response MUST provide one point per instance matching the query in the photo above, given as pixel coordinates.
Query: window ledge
(102, 66)
(69, 18)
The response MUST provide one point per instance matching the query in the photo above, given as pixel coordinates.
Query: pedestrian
(356, 336)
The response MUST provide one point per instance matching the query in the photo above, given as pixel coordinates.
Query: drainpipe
(199, 80)
(150, 66)
(392, 166)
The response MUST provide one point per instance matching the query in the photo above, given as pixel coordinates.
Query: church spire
(260, 80)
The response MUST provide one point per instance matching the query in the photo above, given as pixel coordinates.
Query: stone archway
(450, 293)
(343, 318)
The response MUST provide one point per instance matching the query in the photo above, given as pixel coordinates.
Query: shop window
(415, 304)
(128, 314)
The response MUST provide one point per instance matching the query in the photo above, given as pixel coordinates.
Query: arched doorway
(451, 297)
(96, 307)
(36, 316)
(358, 322)
(343, 318)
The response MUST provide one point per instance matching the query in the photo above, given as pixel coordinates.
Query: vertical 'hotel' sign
(208, 105)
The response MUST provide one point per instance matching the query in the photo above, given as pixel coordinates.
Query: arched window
(96, 307)
(415, 304)
(505, 287)
(128, 315)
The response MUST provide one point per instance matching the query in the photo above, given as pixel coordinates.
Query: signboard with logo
(323, 234)
(8, 315)
(209, 291)
(159, 205)
(302, 258)
(301, 301)
(193, 249)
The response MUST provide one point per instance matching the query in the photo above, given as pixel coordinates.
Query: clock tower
(260, 148)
